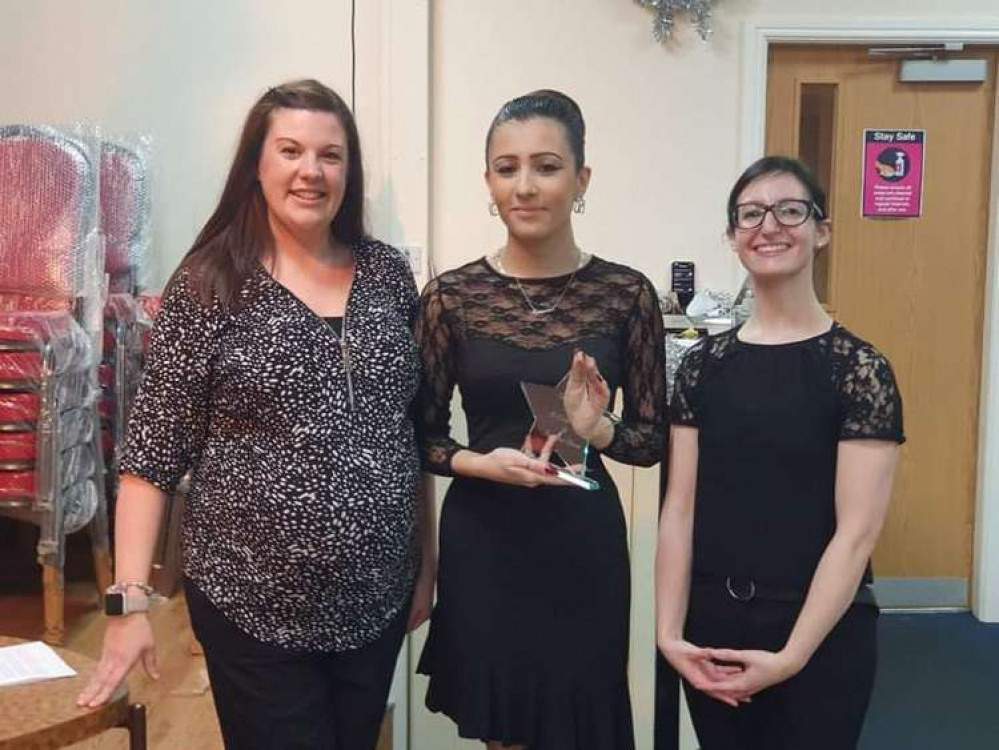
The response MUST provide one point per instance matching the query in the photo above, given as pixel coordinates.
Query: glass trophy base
(583, 482)
(547, 404)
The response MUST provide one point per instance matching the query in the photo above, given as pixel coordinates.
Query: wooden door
(913, 287)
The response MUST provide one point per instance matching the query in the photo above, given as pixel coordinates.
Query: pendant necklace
(342, 338)
(535, 309)
(345, 356)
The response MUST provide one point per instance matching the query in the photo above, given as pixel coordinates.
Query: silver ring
(744, 598)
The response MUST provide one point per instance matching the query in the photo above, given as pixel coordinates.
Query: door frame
(398, 194)
(758, 35)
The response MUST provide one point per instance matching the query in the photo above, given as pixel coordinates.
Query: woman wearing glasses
(783, 449)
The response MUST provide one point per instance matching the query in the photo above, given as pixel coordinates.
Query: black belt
(746, 589)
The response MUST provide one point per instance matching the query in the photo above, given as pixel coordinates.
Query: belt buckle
(740, 597)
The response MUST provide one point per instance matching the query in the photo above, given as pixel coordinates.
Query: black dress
(770, 419)
(528, 643)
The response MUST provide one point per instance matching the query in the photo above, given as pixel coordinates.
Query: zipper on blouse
(345, 357)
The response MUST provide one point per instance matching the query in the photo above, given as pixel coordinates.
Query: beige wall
(183, 71)
(664, 131)
(663, 122)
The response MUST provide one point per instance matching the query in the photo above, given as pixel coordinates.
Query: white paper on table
(31, 662)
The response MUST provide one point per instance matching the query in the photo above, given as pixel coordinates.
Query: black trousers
(270, 698)
(821, 708)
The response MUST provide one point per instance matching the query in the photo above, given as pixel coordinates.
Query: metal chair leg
(98, 526)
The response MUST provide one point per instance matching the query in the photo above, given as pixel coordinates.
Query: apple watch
(118, 602)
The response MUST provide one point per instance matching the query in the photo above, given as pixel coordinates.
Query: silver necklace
(535, 310)
(345, 356)
(341, 338)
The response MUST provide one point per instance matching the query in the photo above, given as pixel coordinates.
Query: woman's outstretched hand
(127, 640)
(523, 467)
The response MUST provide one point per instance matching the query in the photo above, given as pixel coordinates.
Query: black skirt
(528, 643)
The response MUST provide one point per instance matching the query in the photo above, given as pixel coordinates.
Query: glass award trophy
(547, 404)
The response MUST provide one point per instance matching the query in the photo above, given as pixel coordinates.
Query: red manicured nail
(551, 471)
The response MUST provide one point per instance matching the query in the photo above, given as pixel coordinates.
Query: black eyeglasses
(791, 212)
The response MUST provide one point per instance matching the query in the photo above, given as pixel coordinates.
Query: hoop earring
(493, 209)
(579, 205)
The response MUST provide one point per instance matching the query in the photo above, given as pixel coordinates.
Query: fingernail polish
(551, 471)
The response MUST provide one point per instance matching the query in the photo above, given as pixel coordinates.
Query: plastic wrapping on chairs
(121, 312)
(76, 464)
(35, 344)
(125, 215)
(79, 504)
(18, 448)
(19, 411)
(46, 406)
(76, 426)
(149, 308)
(49, 188)
(105, 375)
(105, 408)
(123, 354)
(21, 369)
(51, 316)
(75, 388)
(18, 487)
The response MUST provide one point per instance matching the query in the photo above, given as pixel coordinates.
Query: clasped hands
(732, 676)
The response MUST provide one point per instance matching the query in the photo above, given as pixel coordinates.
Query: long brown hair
(236, 235)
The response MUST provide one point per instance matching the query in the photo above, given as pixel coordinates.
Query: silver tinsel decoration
(668, 10)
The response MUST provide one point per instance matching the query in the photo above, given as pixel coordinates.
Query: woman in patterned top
(281, 375)
(784, 442)
(528, 644)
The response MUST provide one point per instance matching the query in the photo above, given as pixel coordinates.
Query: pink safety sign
(893, 173)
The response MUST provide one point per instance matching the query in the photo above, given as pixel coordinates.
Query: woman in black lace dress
(784, 442)
(528, 643)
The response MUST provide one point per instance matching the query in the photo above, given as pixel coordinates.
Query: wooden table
(45, 715)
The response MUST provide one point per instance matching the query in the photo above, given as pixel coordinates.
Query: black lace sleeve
(871, 403)
(168, 422)
(436, 339)
(640, 438)
(683, 407)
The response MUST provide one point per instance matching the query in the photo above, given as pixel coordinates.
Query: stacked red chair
(119, 375)
(49, 270)
(125, 226)
(125, 213)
